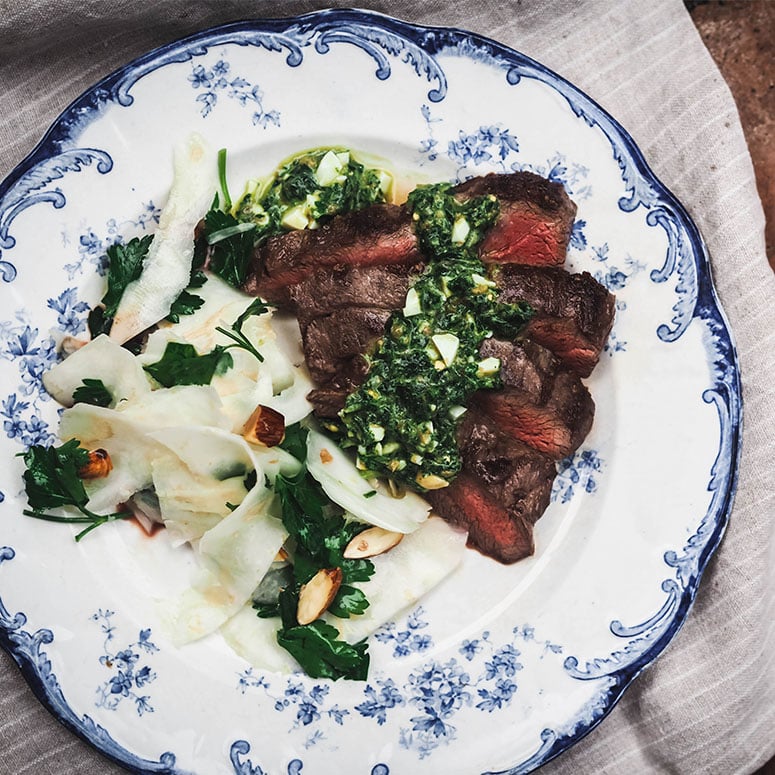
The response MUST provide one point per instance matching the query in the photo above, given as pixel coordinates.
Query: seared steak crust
(381, 234)
(542, 404)
(328, 400)
(341, 287)
(505, 486)
(331, 342)
(535, 221)
(492, 530)
(516, 475)
(342, 312)
(574, 312)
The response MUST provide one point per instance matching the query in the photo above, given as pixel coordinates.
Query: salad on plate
(192, 406)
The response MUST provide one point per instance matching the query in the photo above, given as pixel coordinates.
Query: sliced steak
(333, 342)
(327, 401)
(342, 311)
(517, 476)
(381, 234)
(541, 403)
(503, 489)
(574, 312)
(343, 286)
(492, 530)
(535, 221)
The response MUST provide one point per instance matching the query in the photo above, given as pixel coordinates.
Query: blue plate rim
(432, 39)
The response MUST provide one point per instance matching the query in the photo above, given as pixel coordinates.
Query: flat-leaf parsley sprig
(94, 392)
(319, 535)
(256, 307)
(181, 364)
(52, 481)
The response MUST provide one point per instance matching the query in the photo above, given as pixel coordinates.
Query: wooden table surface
(740, 35)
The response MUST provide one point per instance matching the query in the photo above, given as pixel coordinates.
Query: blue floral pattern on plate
(409, 640)
(31, 355)
(483, 676)
(218, 81)
(579, 472)
(129, 674)
(432, 692)
(27, 649)
(91, 247)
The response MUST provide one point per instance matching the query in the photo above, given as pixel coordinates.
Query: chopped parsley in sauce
(306, 190)
(402, 420)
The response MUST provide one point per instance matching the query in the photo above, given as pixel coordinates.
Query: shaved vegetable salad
(187, 409)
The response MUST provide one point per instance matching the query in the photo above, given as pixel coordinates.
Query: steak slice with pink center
(541, 403)
(574, 312)
(535, 221)
(378, 235)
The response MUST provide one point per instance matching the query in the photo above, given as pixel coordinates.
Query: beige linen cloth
(707, 705)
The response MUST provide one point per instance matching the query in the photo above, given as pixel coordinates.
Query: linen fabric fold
(707, 704)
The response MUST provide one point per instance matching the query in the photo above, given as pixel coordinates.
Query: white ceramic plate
(500, 668)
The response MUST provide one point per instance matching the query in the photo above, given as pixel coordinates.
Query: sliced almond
(431, 481)
(317, 594)
(266, 426)
(98, 466)
(371, 542)
(396, 490)
(70, 344)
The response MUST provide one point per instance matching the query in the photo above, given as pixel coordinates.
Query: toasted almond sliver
(266, 426)
(371, 542)
(396, 490)
(281, 556)
(317, 594)
(431, 481)
(98, 466)
(70, 344)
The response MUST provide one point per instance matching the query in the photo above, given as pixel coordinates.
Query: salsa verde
(402, 420)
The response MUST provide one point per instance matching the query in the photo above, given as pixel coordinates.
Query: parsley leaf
(186, 304)
(182, 365)
(230, 257)
(318, 528)
(125, 265)
(349, 601)
(98, 322)
(320, 535)
(250, 480)
(256, 307)
(94, 392)
(317, 649)
(302, 501)
(295, 441)
(51, 481)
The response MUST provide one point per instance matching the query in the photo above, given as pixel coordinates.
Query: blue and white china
(498, 669)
